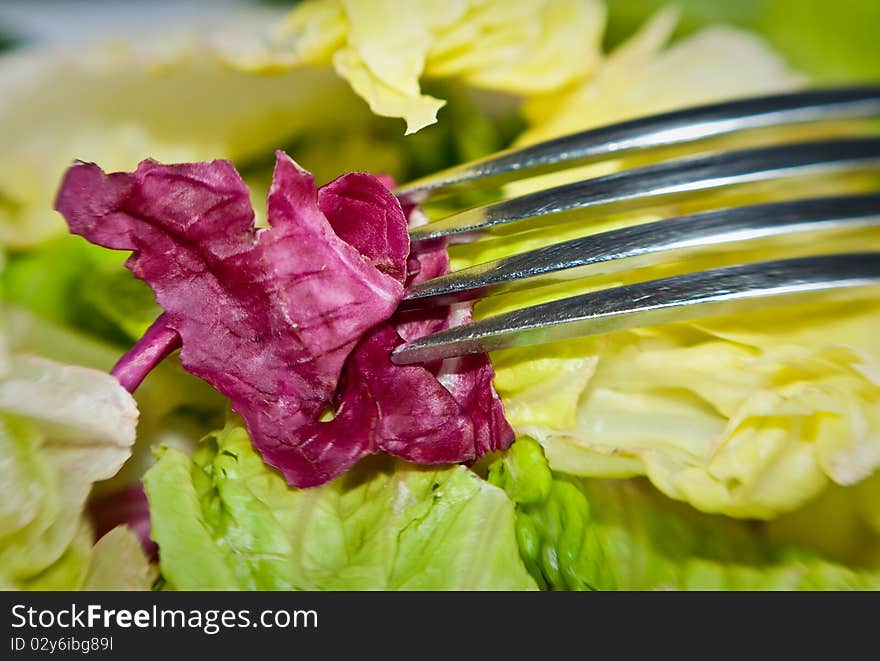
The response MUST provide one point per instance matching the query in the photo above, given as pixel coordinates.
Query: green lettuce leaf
(794, 419)
(581, 534)
(114, 562)
(224, 520)
(117, 562)
(833, 42)
(73, 283)
(62, 428)
(175, 407)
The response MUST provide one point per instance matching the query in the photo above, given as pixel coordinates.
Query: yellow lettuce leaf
(384, 50)
(118, 104)
(748, 416)
(62, 428)
(641, 77)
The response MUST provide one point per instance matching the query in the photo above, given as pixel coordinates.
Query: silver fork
(694, 295)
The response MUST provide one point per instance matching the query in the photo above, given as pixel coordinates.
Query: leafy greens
(272, 318)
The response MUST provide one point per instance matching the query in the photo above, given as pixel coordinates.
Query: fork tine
(677, 298)
(650, 244)
(637, 188)
(647, 133)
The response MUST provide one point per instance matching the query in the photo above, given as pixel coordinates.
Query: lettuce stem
(155, 345)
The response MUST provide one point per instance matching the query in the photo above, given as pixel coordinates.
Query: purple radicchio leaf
(125, 506)
(157, 343)
(266, 317)
(467, 378)
(272, 317)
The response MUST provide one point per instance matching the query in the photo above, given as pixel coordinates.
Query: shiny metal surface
(678, 298)
(654, 243)
(650, 133)
(789, 230)
(641, 187)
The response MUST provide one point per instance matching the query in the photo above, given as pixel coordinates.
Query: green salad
(209, 403)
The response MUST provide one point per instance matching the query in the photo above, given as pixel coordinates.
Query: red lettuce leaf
(271, 318)
(127, 506)
(404, 411)
(467, 378)
(159, 342)
(359, 214)
(268, 318)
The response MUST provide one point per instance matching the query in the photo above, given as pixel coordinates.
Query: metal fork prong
(679, 298)
(650, 244)
(656, 131)
(633, 189)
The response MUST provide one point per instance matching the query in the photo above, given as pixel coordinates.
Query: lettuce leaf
(174, 407)
(228, 114)
(127, 507)
(834, 43)
(644, 75)
(270, 317)
(62, 428)
(117, 562)
(224, 520)
(531, 46)
(582, 534)
(545, 391)
(236, 298)
(746, 416)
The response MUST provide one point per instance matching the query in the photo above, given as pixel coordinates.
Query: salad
(201, 263)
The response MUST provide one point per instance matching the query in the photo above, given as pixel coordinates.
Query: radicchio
(127, 506)
(295, 320)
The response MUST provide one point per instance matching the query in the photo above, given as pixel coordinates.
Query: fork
(732, 288)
